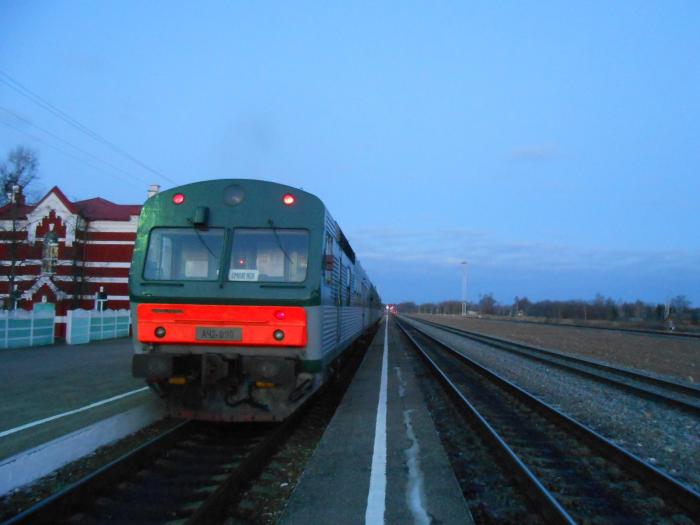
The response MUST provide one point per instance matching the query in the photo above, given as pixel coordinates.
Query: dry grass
(672, 356)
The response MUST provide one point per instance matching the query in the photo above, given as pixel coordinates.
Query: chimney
(15, 195)
(153, 189)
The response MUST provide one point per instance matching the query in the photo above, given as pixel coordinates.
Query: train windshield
(183, 254)
(272, 255)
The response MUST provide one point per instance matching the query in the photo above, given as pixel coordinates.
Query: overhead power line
(88, 163)
(43, 103)
(64, 141)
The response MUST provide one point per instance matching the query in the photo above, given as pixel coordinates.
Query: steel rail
(533, 489)
(211, 508)
(76, 494)
(671, 488)
(596, 369)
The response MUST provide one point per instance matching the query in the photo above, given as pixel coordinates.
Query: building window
(50, 254)
(101, 300)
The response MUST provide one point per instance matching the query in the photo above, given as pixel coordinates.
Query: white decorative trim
(6, 224)
(67, 262)
(129, 226)
(67, 278)
(109, 297)
(24, 264)
(49, 204)
(93, 279)
(44, 280)
(108, 264)
(112, 242)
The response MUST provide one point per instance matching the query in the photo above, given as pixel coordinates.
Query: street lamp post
(464, 288)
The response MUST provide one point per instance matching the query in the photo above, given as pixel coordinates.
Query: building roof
(8, 212)
(61, 196)
(104, 210)
(96, 209)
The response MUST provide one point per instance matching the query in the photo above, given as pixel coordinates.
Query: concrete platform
(42, 382)
(380, 459)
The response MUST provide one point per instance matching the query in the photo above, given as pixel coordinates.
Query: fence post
(69, 326)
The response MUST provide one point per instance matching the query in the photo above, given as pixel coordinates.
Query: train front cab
(228, 316)
(222, 276)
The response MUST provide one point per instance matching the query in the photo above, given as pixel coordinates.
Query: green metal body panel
(261, 204)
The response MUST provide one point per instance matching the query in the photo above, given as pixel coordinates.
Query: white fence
(84, 326)
(20, 328)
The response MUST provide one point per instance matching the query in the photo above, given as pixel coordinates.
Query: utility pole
(464, 288)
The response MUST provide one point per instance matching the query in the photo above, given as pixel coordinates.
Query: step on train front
(245, 295)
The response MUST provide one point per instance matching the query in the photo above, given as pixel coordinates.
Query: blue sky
(554, 146)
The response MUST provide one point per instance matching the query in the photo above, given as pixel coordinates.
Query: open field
(672, 356)
(680, 327)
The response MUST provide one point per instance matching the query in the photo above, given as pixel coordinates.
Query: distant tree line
(677, 310)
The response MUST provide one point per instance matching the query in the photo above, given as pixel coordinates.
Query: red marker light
(179, 198)
(280, 314)
(289, 199)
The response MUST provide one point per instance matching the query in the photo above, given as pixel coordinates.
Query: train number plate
(207, 333)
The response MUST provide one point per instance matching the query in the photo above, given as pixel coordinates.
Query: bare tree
(487, 304)
(18, 172)
(679, 305)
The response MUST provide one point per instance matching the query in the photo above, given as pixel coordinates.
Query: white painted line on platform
(377, 480)
(70, 412)
(30, 465)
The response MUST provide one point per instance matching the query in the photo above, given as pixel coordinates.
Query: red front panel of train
(199, 324)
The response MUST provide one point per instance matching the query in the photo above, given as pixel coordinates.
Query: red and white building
(73, 254)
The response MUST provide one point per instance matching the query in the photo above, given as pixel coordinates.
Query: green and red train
(244, 295)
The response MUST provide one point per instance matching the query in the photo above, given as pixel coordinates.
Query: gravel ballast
(666, 438)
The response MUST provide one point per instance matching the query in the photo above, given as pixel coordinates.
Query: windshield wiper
(279, 243)
(201, 239)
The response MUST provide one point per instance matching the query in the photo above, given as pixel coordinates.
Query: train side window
(328, 259)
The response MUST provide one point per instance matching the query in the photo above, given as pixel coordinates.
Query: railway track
(678, 395)
(191, 474)
(187, 475)
(570, 473)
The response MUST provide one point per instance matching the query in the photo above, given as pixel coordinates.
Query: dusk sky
(553, 146)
